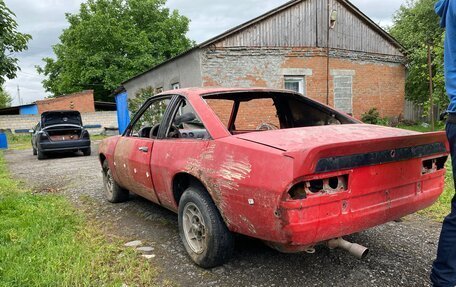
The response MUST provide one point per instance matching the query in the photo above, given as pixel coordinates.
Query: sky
(45, 20)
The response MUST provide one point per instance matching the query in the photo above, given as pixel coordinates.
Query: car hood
(311, 137)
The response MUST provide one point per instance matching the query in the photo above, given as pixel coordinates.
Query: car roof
(197, 92)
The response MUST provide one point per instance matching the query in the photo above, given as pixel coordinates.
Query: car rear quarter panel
(245, 180)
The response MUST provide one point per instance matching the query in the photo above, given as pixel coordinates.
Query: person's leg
(444, 268)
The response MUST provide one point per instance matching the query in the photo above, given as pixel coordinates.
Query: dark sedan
(60, 131)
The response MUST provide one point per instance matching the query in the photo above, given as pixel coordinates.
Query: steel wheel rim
(109, 181)
(195, 230)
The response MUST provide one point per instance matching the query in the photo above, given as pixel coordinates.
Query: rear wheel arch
(182, 181)
(203, 231)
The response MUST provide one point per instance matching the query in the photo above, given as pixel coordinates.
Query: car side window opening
(185, 123)
(222, 108)
(257, 114)
(268, 111)
(148, 123)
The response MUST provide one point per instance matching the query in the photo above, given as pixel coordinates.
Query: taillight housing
(44, 136)
(319, 186)
(433, 165)
(85, 134)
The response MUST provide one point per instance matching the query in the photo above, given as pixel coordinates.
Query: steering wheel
(154, 131)
(173, 132)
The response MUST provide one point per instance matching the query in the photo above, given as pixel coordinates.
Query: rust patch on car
(235, 170)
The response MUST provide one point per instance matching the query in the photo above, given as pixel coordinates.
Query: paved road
(401, 253)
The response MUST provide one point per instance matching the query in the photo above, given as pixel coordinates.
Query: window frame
(143, 109)
(301, 83)
(172, 114)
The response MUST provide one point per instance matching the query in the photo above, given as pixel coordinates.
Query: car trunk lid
(62, 125)
(52, 118)
(336, 147)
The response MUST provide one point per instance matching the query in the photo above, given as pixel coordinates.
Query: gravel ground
(401, 253)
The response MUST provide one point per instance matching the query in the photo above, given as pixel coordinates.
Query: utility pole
(431, 87)
(19, 95)
(327, 54)
(332, 17)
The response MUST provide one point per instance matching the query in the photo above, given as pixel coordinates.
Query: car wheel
(113, 192)
(34, 151)
(204, 233)
(87, 151)
(41, 155)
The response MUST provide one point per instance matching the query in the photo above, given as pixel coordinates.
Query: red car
(269, 164)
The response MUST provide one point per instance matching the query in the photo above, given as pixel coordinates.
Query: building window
(343, 93)
(295, 84)
(175, 86)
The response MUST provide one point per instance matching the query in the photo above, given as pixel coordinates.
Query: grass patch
(45, 241)
(439, 126)
(23, 141)
(19, 141)
(98, 137)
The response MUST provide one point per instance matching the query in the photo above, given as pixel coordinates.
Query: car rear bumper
(307, 225)
(74, 145)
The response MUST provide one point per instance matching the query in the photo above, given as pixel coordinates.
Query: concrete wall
(377, 80)
(184, 70)
(23, 122)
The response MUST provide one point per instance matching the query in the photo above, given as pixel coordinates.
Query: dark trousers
(444, 267)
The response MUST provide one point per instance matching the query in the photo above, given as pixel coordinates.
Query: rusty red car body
(294, 187)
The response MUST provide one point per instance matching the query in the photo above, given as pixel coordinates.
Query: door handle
(143, 149)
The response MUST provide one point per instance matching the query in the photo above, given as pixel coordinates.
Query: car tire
(41, 155)
(87, 151)
(34, 151)
(205, 235)
(113, 192)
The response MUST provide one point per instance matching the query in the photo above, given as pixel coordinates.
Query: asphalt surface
(401, 253)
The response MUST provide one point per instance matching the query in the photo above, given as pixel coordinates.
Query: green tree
(109, 41)
(11, 42)
(416, 25)
(5, 98)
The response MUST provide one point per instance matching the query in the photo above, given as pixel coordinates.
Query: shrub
(371, 117)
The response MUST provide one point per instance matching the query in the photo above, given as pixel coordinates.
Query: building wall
(25, 122)
(28, 110)
(378, 80)
(82, 102)
(184, 70)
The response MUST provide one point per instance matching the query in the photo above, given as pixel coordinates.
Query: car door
(133, 150)
(35, 131)
(185, 143)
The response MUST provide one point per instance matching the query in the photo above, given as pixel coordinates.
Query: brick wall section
(82, 102)
(16, 122)
(378, 80)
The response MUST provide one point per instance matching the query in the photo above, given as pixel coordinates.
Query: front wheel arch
(102, 159)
